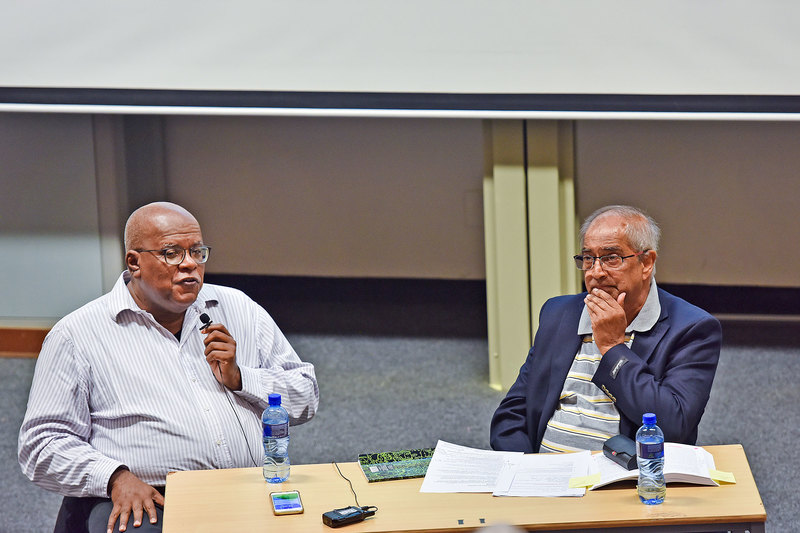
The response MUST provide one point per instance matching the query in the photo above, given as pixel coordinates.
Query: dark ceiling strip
(403, 101)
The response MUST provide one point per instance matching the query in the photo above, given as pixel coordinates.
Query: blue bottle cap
(649, 419)
(275, 399)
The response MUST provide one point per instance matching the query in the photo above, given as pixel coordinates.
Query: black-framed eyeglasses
(174, 255)
(607, 262)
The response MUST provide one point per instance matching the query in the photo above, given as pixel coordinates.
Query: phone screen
(286, 502)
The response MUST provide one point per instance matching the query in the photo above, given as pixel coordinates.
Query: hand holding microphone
(221, 353)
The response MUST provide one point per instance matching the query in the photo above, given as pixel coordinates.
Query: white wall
(379, 198)
(332, 197)
(49, 236)
(727, 194)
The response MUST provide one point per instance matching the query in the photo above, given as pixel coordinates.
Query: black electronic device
(206, 320)
(621, 450)
(346, 515)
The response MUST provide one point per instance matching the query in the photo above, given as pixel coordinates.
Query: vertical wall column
(130, 170)
(552, 227)
(112, 198)
(529, 218)
(143, 136)
(506, 228)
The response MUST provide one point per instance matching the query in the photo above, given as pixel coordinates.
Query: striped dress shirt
(113, 387)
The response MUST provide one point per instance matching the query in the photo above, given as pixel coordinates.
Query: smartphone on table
(286, 502)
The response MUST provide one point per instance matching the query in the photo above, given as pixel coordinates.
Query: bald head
(150, 217)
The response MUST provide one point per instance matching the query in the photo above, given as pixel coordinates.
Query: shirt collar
(644, 321)
(121, 301)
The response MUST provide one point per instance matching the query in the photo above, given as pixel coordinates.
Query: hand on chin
(608, 289)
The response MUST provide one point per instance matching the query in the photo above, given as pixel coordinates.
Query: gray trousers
(90, 515)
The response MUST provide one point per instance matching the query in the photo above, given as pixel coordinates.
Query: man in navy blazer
(649, 351)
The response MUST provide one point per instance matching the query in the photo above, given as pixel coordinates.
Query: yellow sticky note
(718, 475)
(584, 481)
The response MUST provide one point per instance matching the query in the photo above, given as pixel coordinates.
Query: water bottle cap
(274, 399)
(649, 419)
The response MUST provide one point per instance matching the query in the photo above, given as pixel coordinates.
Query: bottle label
(276, 430)
(653, 450)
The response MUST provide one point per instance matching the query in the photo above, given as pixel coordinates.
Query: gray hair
(642, 231)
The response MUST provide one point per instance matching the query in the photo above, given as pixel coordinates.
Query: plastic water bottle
(650, 457)
(275, 421)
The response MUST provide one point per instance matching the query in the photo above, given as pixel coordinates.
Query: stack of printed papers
(456, 468)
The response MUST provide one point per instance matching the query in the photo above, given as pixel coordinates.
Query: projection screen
(492, 59)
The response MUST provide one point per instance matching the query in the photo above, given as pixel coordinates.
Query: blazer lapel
(561, 361)
(562, 353)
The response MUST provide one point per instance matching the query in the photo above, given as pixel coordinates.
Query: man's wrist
(238, 382)
(120, 469)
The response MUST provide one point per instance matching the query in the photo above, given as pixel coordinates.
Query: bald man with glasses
(138, 382)
(603, 358)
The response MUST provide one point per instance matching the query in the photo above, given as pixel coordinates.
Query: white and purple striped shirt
(113, 387)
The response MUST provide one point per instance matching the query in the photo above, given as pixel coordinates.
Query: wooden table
(237, 500)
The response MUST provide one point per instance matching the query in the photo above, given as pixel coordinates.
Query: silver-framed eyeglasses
(607, 262)
(174, 255)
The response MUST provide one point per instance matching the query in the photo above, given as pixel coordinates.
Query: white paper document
(543, 475)
(682, 464)
(688, 464)
(455, 468)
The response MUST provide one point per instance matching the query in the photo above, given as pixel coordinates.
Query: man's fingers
(602, 296)
(217, 336)
(599, 301)
(216, 332)
(112, 519)
(218, 346)
(597, 305)
(123, 520)
(137, 516)
(150, 508)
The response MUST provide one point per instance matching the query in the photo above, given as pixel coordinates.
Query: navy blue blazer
(667, 371)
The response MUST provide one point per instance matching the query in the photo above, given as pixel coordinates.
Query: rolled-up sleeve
(280, 370)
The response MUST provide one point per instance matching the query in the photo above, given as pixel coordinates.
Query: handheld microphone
(206, 320)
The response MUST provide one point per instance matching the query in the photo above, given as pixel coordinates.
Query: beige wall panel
(50, 258)
(333, 197)
(727, 195)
